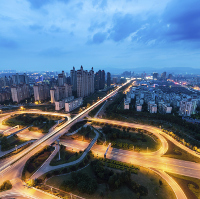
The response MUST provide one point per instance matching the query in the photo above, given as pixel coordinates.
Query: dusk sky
(104, 34)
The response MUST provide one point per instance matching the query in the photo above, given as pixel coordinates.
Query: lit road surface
(177, 190)
(155, 131)
(14, 168)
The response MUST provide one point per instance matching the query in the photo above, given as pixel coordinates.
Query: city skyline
(60, 34)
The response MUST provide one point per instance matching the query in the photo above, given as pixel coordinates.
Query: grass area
(144, 177)
(36, 161)
(9, 143)
(65, 156)
(130, 139)
(84, 134)
(50, 108)
(93, 112)
(191, 186)
(141, 144)
(40, 123)
(178, 153)
(77, 126)
(94, 97)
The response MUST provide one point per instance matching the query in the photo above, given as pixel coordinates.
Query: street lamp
(22, 108)
(16, 147)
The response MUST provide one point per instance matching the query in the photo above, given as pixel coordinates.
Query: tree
(6, 186)
(31, 183)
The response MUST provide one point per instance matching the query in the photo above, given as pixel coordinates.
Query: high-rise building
(108, 79)
(102, 80)
(170, 76)
(164, 75)
(85, 82)
(99, 80)
(17, 79)
(96, 81)
(4, 95)
(73, 75)
(41, 92)
(155, 76)
(20, 92)
(61, 79)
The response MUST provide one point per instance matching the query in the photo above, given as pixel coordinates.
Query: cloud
(183, 19)
(80, 5)
(37, 4)
(98, 38)
(124, 26)
(55, 29)
(53, 52)
(96, 25)
(8, 43)
(99, 3)
(35, 27)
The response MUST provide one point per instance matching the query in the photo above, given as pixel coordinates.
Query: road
(156, 131)
(46, 167)
(13, 169)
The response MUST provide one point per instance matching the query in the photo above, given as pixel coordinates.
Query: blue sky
(104, 34)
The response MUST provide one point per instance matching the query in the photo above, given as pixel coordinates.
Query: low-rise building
(188, 107)
(153, 108)
(59, 105)
(73, 104)
(126, 104)
(139, 107)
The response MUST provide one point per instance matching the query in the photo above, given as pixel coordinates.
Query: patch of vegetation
(80, 181)
(85, 133)
(36, 161)
(65, 156)
(139, 139)
(147, 178)
(120, 165)
(42, 122)
(68, 169)
(178, 153)
(9, 143)
(77, 126)
(191, 186)
(6, 185)
(93, 112)
(115, 180)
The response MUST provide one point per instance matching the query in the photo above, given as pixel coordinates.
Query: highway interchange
(12, 168)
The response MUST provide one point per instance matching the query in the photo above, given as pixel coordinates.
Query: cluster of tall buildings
(41, 92)
(59, 88)
(20, 92)
(163, 76)
(20, 89)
